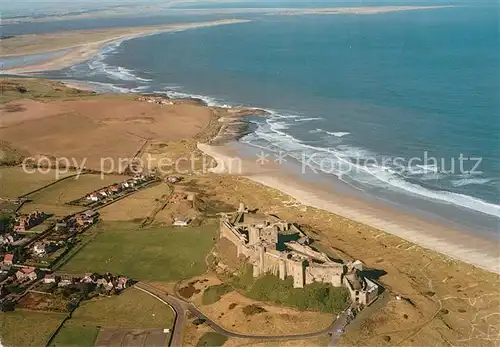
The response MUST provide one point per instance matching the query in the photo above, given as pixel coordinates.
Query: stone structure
(282, 249)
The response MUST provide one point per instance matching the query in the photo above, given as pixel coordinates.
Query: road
(181, 307)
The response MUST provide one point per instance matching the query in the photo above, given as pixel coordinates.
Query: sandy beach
(83, 44)
(352, 10)
(167, 9)
(445, 240)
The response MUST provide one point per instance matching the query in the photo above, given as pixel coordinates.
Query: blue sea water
(368, 100)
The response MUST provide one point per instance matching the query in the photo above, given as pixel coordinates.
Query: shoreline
(445, 240)
(359, 10)
(83, 51)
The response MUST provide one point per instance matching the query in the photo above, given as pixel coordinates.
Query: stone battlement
(280, 248)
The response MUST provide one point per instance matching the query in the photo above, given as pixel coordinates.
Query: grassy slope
(315, 296)
(160, 254)
(213, 293)
(10, 89)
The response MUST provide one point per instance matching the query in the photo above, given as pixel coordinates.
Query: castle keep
(282, 249)
(278, 247)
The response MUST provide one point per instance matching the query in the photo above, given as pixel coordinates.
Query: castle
(282, 249)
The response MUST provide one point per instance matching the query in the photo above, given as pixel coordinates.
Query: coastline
(450, 242)
(453, 243)
(93, 42)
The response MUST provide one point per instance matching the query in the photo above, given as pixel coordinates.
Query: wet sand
(453, 243)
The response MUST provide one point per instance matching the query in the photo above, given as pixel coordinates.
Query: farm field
(132, 309)
(73, 335)
(27, 328)
(53, 199)
(137, 206)
(14, 181)
(157, 253)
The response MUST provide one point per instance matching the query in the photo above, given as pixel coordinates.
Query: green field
(133, 309)
(54, 199)
(14, 181)
(74, 335)
(159, 254)
(26, 328)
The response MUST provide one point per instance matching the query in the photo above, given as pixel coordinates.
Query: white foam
(98, 66)
(352, 158)
(338, 133)
(467, 181)
(307, 119)
(108, 87)
(210, 101)
(333, 133)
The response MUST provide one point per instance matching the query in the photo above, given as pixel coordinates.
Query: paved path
(181, 307)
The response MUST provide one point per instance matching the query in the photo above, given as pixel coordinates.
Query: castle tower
(282, 269)
(253, 235)
(298, 274)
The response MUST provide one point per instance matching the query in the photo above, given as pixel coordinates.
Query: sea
(402, 108)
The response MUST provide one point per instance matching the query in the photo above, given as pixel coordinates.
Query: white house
(39, 248)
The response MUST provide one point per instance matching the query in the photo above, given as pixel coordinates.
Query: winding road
(181, 307)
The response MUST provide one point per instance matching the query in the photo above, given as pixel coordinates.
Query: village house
(8, 239)
(86, 218)
(65, 281)
(27, 273)
(26, 222)
(49, 278)
(39, 249)
(61, 226)
(9, 259)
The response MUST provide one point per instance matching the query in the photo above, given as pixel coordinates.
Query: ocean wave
(98, 66)
(210, 101)
(333, 133)
(108, 87)
(351, 162)
(338, 133)
(469, 181)
(307, 119)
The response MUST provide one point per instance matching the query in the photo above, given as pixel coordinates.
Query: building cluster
(10, 238)
(15, 280)
(155, 100)
(25, 222)
(106, 283)
(281, 248)
(115, 190)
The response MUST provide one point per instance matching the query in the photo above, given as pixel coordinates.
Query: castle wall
(298, 274)
(307, 251)
(331, 275)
